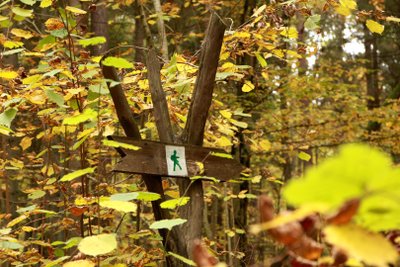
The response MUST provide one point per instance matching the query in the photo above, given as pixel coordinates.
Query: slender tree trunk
(139, 34)
(100, 27)
(161, 29)
(373, 92)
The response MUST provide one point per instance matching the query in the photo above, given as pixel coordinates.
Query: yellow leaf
(16, 221)
(26, 142)
(371, 248)
(265, 145)
(224, 141)
(242, 35)
(350, 4)
(247, 86)
(5, 74)
(79, 263)
(12, 44)
(98, 244)
(28, 228)
(290, 32)
(342, 10)
(124, 206)
(45, 3)
(226, 114)
(76, 11)
(374, 26)
(22, 33)
(393, 19)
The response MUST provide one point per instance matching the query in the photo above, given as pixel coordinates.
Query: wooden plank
(152, 159)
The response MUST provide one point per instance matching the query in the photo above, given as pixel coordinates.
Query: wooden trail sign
(171, 160)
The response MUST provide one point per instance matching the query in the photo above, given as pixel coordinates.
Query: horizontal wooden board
(151, 159)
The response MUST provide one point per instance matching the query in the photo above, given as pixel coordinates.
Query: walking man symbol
(175, 158)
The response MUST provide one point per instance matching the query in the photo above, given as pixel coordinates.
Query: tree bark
(100, 27)
(161, 29)
(194, 130)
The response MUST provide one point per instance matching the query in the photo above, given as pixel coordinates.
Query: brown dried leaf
(345, 213)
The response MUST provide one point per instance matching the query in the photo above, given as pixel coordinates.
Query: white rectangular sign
(176, 160)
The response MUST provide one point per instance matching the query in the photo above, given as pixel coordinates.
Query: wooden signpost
(171, 160)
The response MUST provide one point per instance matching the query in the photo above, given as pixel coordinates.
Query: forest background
(294, 80)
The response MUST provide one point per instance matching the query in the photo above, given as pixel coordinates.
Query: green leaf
(55, 97)
(28, 2)
(113, 143)
(12, 52)
(14, 244)
(357, 171)
(7, 117)
(304, 156)
(312, 22)
(117, 62)
(240, 124)
(88, 114)
(36, 194)
(99, 88)
(60, 33)
(173, 203)
(371, 248)
(92, 41)
(181, 258)
(22, 12)
(56, 262)
(98, 244)
(5, 130)
(167, 224)
(261, 60)
(46, 3)
(73, 175)
(72, 242)
(123, 206)
(202, 177)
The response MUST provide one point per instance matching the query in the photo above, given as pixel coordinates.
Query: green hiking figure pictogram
(175, 158)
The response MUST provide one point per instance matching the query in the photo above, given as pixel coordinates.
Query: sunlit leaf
(45, 3)
(73, 175)
(22, 12)
(79, 263)
(261, 60)
(98, 244)
(54, 24)
(88, 114)
(167, 224)
(75, 10)
(21, 33)
(10, 244)
(393, 19)
(221, 155)
(375, 27)
(312, 22)
(304, 156)
(113, 143)
(12, 44)
(16, 221)
(240, 124)
(117, 62)
(371, 248)
(173, 203)
(182, 259)
(56, 262)
(55, 97)
(5, 74)
(92, 41)
(247, 86)
(144, 196)
(290, 32)
(123, 206)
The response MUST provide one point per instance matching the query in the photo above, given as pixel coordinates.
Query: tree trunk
(161, 29)
(100, 27)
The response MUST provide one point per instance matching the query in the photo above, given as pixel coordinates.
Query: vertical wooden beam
(194, 129)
